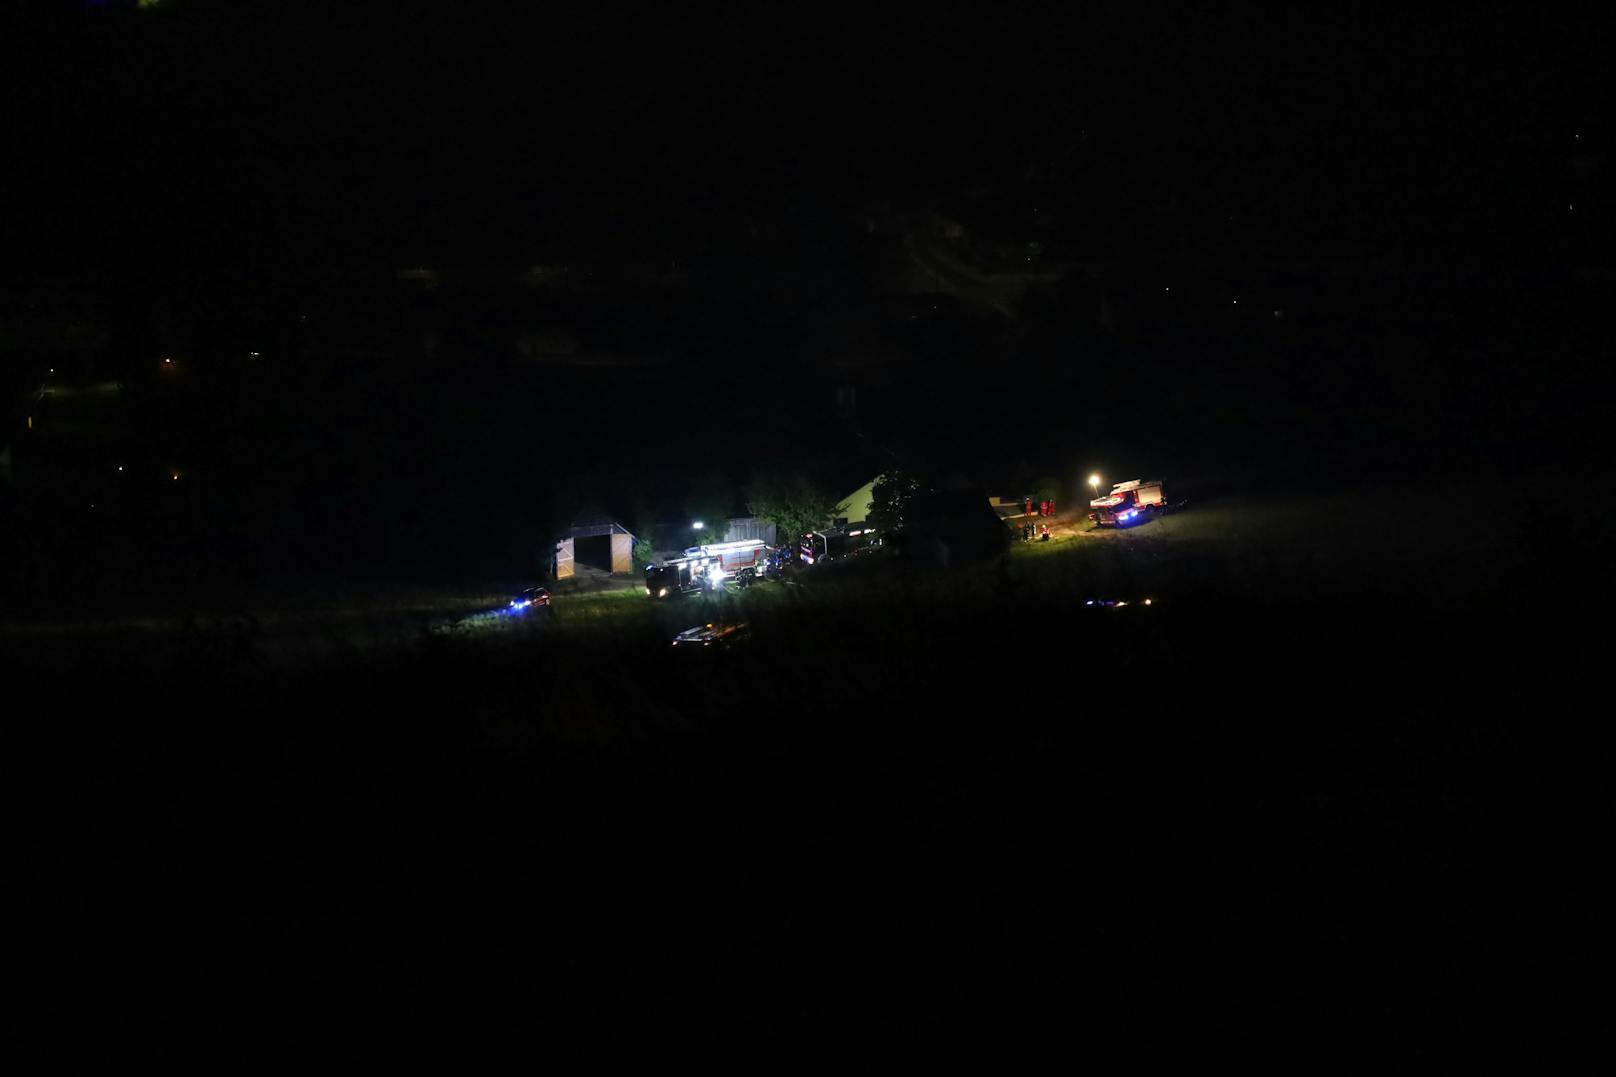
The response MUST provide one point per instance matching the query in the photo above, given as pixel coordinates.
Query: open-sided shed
(622, 546)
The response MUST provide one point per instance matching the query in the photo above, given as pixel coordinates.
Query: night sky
(275, 135)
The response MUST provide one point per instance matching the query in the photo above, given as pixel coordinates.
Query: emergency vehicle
(706, 567)
(817, 547)
(1128, 502)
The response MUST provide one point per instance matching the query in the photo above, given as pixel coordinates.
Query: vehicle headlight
(662, 593)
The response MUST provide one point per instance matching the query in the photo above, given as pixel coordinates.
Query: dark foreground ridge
(905, 833)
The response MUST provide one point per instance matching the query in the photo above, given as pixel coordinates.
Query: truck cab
(671, 578)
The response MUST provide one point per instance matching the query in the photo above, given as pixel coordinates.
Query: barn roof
(594, 527)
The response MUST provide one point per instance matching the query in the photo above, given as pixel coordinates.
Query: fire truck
(817, 547)
(705, 568)
(1128, 503)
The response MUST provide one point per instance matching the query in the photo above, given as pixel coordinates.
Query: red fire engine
(1128, 503)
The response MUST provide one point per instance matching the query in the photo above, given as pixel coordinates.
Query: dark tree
(891, 498)
(793, 503)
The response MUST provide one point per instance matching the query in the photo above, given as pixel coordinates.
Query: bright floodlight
(1094, 481)
(697, 526)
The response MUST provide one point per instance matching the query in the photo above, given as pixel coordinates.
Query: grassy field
(1383, 547)
(1409, 549)
(1440, 547)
